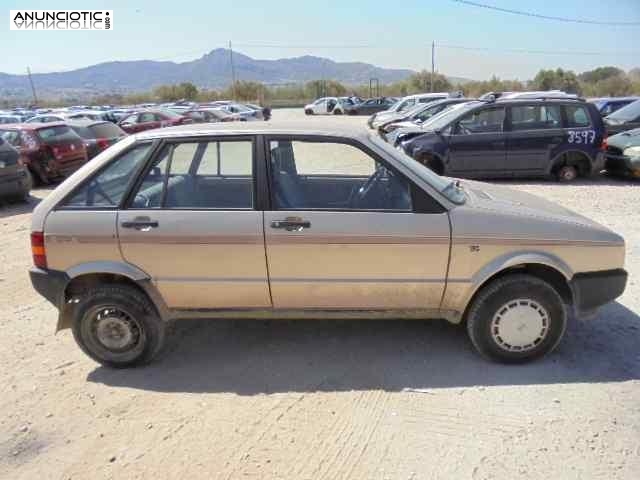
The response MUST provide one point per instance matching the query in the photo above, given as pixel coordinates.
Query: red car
(148, 119)
(50, 150)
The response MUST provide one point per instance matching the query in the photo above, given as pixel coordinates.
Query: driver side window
(307, 175)
(489, 120)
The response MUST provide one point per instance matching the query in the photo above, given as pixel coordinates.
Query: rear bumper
(593, 289)
(14, 184)
(50, 284)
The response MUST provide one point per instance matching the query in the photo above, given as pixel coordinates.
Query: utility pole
(33, 88)
(233, 72)
(433, 62)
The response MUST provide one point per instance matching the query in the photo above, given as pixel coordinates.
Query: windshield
(627, 113)
(444, 185)
(444, 118)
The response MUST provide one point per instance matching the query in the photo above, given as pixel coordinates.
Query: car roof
(248, 128)
(84, 122)
(31, 126)
(613, 99)
(427, 95)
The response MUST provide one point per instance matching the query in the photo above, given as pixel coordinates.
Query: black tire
(121, 304)
(567, 173)
(337, 111)
(308, 112)
(528, 294)
(25, 196)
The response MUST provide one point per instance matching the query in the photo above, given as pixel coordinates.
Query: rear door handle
(144, 224)
(291, 224)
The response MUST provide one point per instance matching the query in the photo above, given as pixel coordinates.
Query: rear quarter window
(577, 116)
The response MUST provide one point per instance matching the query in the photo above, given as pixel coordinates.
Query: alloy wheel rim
(520, 325)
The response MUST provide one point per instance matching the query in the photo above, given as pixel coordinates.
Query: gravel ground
(324, 399)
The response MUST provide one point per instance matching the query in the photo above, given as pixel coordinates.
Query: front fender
(506, 261)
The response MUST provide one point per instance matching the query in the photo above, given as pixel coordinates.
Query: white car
(327, 106)
(408, 102)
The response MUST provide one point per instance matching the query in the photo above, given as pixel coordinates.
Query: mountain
(212, 70)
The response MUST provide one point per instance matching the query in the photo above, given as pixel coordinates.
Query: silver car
(232, 220)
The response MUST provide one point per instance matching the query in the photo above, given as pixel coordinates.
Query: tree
(558, 79)
(599, 74)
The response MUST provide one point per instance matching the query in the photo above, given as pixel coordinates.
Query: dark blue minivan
(512, 138)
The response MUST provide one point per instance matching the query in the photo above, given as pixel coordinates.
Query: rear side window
(577, 116)
(107, 188)
(535, 117)
(106, 130)
(199, 175)
(59, 133)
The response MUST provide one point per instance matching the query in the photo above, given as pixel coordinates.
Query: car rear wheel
(337, 111)
(117, 326)
(567, 173)
(516, 318)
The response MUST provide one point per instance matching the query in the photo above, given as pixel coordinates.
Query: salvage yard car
(49, 150)
(150, 119)
(623, 153)
(15, 179)
(533, 137)
(232, 220)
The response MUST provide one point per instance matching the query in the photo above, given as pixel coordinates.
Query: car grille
(613, 150)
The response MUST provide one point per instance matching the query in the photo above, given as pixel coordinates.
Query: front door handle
(291, 224)
(143, 224)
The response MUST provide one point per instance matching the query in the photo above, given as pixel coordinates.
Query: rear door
(478, 144)
(348, 232)
(192, 225)
(535, 135)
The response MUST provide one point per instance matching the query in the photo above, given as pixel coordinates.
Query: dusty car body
(232, 220)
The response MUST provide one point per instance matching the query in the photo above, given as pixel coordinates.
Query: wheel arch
(87, 275)
(578, 158)
(537, 264)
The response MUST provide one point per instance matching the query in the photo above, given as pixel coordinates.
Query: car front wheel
(117, 326)
(516, 318)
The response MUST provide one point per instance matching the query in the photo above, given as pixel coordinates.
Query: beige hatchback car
(220, 220)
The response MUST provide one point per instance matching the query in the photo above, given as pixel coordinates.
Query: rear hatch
(66, 145)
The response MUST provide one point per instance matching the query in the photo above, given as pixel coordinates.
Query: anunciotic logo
(61, 19)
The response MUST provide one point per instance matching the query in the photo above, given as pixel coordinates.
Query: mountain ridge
(211, 70)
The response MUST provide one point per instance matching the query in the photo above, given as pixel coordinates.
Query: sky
(388, 34)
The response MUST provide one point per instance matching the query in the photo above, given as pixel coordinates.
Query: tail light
(37, 250)
(605, 142)
(103, 143)
(56, 152)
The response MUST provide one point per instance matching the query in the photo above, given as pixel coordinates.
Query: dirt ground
(324, 399)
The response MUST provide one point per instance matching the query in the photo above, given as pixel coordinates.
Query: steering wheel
(367, 188)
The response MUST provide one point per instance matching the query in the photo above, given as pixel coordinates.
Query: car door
(320, 107)
(345, 232)
(192, 226)
(147, 121)
(477, 143)
(130, 123)
(535, 133)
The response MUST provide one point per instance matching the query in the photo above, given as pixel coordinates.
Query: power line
(546, 17)
(534, 52)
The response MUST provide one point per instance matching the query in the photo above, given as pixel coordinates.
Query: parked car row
(512, 134)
